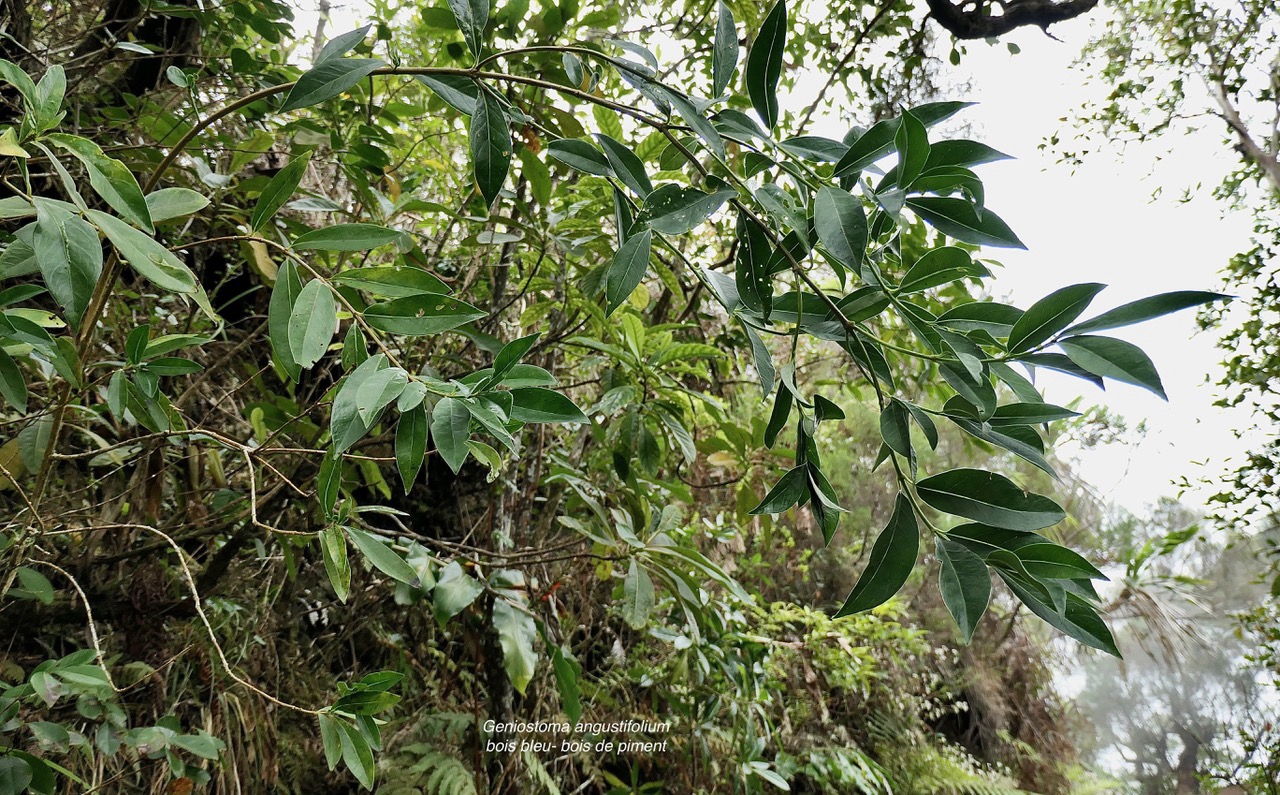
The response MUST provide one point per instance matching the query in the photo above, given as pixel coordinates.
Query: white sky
(1097, 223)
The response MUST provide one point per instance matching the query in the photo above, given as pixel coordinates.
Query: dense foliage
(484, 371)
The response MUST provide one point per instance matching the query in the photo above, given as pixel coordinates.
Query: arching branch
(975, 20)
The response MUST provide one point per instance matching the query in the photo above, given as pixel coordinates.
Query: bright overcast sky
(1097, 223)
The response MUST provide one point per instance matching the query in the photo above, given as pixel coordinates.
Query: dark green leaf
(391, 281)
(764, 64)
(778, 418)
(1030, 414)
(1146, 309)
(346, 426)
(959, 219)
(535, 404)
(841, 223)
(356, 754)
(724, 56)
(892, 557)
(965, 584)
(450, 428)
(962, 154)
(627, 270)
(937, 267)
(1050, 315)
(1078, 619)
(1053, 562)
(109, 178)
(872, 145)
(989, 498)
(762, 359)
(69, 253)
(346, 237)
(626, 165)
(490, 142)
(419, 315)
(790, 489)
(327, 80)
(637, 596)
(1112, 358)
(912, 142)
(12, 385)
(815, 148)
(752, 276)
(472, 17)
(895, 428)
(278, 191)
(333, 548)
(580, 155)
(283, 297)
(458, 92)
(383, 558)
(673, 209)
(168, 203)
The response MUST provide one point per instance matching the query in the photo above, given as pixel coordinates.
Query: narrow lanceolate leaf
(169, 203)
(148, 257)
(342, 44)
(673, 210)
(580, 155)
(1112, 358)
(841, 222)
(724, 57)
(278, 191)
(892, 557)
(12, 385)
(327, 80)
(989, 498)
(627, 270)
(535, 404)
(1049, 315)
(790, 489)
(382, 557)
(393, 281)
(752, 277)
(1146, 309)
(764, 64)
(912, 143)
(333, 547)
(346, 237)
(959, 219)
(1077, 619)
(762, 359)
(283, 297)
(695, 118)
(312, 321)
(965, 584)
(109, 178)
(472, 17)
(872, 145)
(411, 444)
(456, 91)
(625, 163)
(69, 254)
(937, 267)
(450, 428)
(637, 596)
(419, 315)
(490, 145)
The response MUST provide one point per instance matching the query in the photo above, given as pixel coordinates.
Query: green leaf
(327, 80)
(169, 203)
(764, 64)
(516, 632)
(278, 191)
(456, 91)
(383, 558)
(912, 142)
(625, 163)
(580, 155)
(790, 489)
(535, 404)
(279, 313)
(959, 219)
(1146, 309)
(627, 270)
(696, 119)
(419, 315)
(815, 148)
(377, 391)
(872, 145)
(567, 672)
(763, 361)
(895, 428)
(961, 154)
(637, 596)
(15, 773)
(1030, 414)
(12, 385)
(937, 267)
(989, 498)
(1050, 561)
(411, 444)
(450, 428)
(346, 237)
(393, 281)
(472, 17)
(312, 322)
(455, 591)
(752, 275)
(674, 209)
(724, 55)
(345, 423)
(490, 144)
(1116, 359)
(339, 46)
(511, 354)
(15, 76)
(333, 548)
(357, 754)
(841, 223)
(1050, 315)
(1077, 619)
(144, 254)
(69, 253)
(892, 557)
(965, 584)
(778, 418)
(109, 178)
(330, 739)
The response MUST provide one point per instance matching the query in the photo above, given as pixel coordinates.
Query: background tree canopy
(366, 399)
